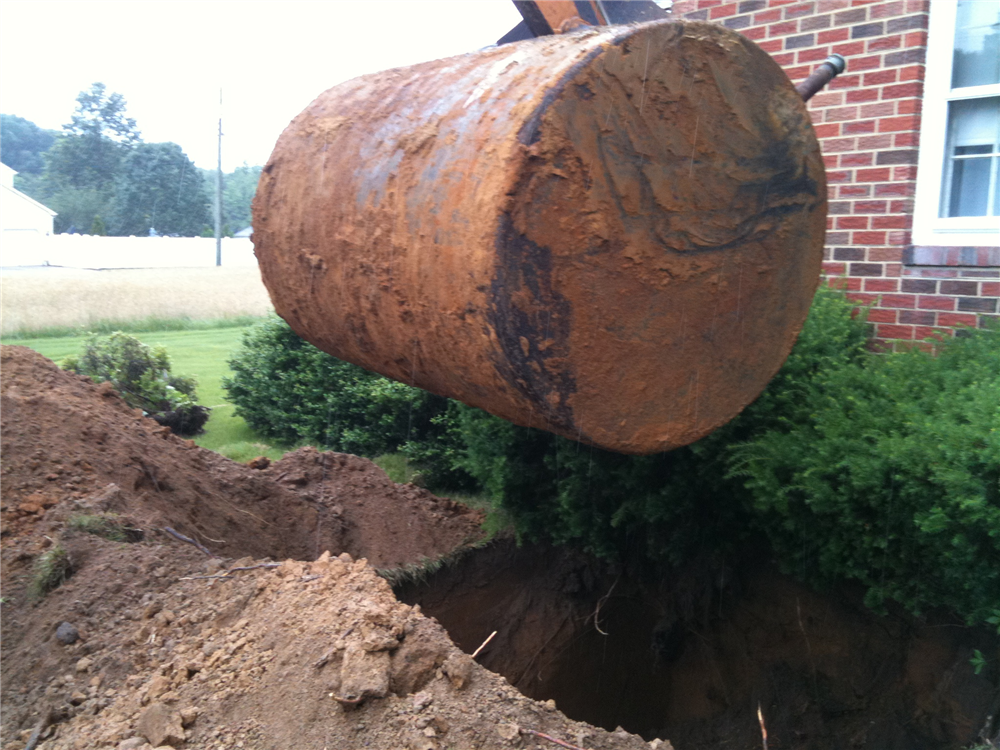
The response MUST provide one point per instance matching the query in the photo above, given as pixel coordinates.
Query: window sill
(940, 255)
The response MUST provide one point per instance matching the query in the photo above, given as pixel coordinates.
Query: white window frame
(929, 228)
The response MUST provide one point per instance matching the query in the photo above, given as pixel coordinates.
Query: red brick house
(910, 134)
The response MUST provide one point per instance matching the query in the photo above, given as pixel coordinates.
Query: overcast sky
(169, 58)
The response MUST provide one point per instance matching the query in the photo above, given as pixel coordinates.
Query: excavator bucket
(613, 234)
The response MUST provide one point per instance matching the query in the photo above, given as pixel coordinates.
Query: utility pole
(218, 193)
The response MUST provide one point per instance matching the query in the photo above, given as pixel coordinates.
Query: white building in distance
(18, 212)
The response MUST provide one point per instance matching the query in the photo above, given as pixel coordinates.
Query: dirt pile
(69, 443)
(304, 655)
(155, 643)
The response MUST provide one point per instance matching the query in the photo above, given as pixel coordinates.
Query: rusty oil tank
(614, 234)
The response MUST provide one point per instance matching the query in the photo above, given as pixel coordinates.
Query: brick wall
(868, 124)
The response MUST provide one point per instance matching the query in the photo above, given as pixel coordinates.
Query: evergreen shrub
(291, 392)
(890, 475)
(141, 374)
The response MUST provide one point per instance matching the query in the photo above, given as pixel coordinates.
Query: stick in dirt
(552, 739)
(481, 647)
(40, 727)
(189, 540)
(231, 570)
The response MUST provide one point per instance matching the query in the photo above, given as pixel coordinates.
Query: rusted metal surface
(613, 234)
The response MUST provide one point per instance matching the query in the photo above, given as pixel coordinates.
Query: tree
(76, 207)
(94, 143)
(158, 187)
(23, 144)
(100, 176)
(102, 115)
(238, 189)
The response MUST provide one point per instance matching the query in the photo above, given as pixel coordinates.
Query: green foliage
(102, 115)
(243, 451)
(978, 661)
(99, 167)
(94, 143)
(51, 568)
(23, 144)
(141, 374)
(891, 476)
(238, 189)
(158, 187)
(105, 525)
(142, 325)
(397, 467)
(290, 391)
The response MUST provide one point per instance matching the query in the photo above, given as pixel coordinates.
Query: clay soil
(284, 632)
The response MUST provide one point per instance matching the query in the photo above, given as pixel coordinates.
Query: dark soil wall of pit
(690, 656)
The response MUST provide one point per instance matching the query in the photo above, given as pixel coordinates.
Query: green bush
(291, 392)
(891, 476)
(141, 374)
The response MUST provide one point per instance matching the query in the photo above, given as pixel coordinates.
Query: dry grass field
(33, 300)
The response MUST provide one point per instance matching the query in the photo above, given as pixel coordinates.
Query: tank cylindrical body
(614, 234)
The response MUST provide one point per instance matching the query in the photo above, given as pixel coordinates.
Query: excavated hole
(689, 657)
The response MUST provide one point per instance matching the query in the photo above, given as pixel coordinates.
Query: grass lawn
(202, 355)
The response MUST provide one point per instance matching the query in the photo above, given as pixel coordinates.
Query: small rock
(550, 704)
(658, 744)
(261, 462)
(458, 667)
(96, 680)
(157, 687)
(364, 674)
(421, 700)
(84, 664)
(76, 698)
(133, 743)
(189, 715)
(161, 726)
(509, 732)
(67, 633)
(30, 507)
(441, 724)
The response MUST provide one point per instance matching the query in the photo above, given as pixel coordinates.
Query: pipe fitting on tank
(829, 69)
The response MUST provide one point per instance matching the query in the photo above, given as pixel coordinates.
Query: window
(958, 184)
